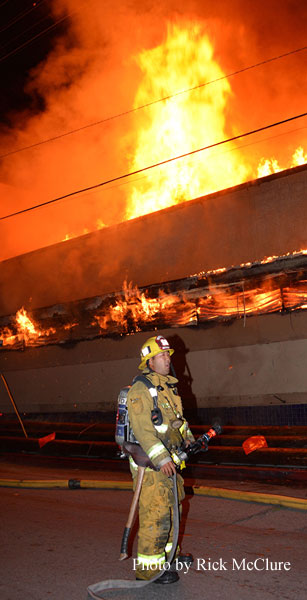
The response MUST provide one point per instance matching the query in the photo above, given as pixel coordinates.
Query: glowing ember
(69, 326)
(233, 303)
(8, 338)
(264, 261)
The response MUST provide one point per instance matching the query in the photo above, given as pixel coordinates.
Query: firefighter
(160, 432)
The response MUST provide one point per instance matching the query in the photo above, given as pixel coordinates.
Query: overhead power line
(35, 37)
(169, 97)
(22, 33)
(159, 164)
(20, 16)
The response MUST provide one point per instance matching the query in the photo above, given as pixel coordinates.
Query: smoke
(91, 74)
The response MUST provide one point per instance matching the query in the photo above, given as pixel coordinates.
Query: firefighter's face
(161, 363)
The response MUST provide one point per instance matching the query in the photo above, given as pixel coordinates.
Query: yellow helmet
(153, 346)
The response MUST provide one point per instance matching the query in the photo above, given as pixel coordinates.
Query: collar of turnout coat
(157, 379)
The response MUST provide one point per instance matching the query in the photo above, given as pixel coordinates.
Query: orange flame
(25, 325)
(27, 331)
(134, 310)
(184, 123)
(187, 122)
(186, 59)
(270, 166)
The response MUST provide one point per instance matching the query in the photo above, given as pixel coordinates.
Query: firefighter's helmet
(153, 346)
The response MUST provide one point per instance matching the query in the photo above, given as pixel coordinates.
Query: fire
(299, 158)
(86, 132)
(223, 303)
(25, 325)
(27, 332)
(69, 236)
(269, 166)
(182, 124)
(135, 310)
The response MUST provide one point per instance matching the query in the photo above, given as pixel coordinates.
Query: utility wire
(159, 164)
(73, 12)
(236, 149)
(132, 110)
(35, 37)
(9, 42)
(20, 16)
(55, 24)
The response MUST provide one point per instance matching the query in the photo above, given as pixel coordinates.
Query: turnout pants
(155, 521)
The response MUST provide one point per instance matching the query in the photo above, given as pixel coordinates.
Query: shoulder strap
(151, 388)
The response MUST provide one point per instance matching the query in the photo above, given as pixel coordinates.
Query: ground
(57, 542)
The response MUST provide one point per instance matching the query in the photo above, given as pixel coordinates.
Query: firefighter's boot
(168, 577)
(182, 560)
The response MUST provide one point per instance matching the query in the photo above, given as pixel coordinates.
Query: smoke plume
(92, 74)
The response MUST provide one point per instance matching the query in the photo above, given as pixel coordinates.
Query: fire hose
(142, 460)
(109, 584)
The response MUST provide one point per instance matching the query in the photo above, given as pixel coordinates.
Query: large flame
(182, 124)
(97, 71)
(187, 122)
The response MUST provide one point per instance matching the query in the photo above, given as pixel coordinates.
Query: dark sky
(20, 22)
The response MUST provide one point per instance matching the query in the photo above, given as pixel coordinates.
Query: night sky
(22, 20)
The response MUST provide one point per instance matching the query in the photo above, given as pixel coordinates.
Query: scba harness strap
(156, 415)
(123, 431)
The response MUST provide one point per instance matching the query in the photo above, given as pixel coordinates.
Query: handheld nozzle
(201, 444)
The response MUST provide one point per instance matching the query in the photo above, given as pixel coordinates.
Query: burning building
(129, 129)
(224, 277)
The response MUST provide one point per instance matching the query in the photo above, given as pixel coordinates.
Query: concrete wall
(226, 365)
(243, 224)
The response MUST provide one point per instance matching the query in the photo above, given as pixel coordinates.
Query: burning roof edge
(276, 286)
